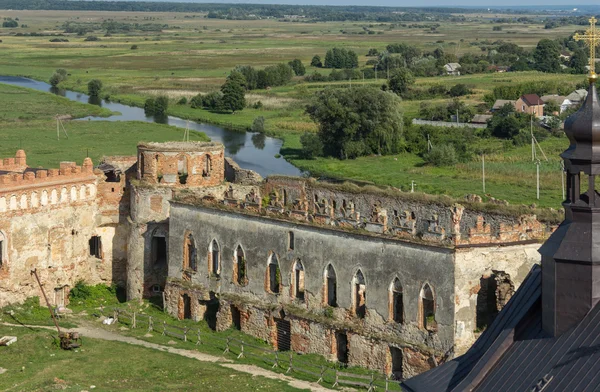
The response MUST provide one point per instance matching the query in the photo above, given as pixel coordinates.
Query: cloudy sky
(408, 3)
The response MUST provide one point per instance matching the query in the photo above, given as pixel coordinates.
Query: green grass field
(34, 363)
(26, 120)
(195, 54)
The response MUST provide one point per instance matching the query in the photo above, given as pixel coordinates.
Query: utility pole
(483, 171)
(537, 165)
(429, 145)
(457, 122)
(412, 186)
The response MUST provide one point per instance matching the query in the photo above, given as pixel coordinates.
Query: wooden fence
(283, 361)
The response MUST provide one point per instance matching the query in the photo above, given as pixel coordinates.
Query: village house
(452, 69)
(499, 104)
(577, 96)
(530, 104)
(562, 102)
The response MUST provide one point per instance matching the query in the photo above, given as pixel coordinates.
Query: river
(250, 150)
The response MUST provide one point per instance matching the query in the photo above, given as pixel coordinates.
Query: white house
(452, 69)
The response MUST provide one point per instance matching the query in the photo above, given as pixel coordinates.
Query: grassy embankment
(195, 54)
(26, 120)
(34, 363)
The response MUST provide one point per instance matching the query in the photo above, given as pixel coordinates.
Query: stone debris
(7, 340)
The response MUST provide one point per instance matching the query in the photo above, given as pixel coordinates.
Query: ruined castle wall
(54, 239)
(379, 260)
(149, 220)
(474, 269)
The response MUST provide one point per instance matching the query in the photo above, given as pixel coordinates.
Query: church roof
(515, 354)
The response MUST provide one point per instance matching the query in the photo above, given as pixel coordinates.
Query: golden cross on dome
(592, 38)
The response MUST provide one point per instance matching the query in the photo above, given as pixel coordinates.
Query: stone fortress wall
(48, 221)
(367, 276)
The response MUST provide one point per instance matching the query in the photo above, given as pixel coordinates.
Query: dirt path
(90, 331)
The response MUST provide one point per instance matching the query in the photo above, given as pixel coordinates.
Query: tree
(400, 81)
(150, 107)
(161, 105)
(234, 91)
(373, 53)
(10, 23)
(358, 121)
(250, 74)
(297, 67)
(55, 79)
(311, 145)
(458, 90)
(444, 155)
(546, 56)
(258, 125)
(579, 61)
(94, 87)
(551, 107)
(316, 61)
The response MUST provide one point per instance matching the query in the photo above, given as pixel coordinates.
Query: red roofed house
(531, 104)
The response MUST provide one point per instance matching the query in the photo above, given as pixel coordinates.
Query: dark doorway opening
(236, 319)
(331, 286)
(397, 359)
(186, 302)
(284, 335)
(159, 250)
(341, 342)
(212, 308)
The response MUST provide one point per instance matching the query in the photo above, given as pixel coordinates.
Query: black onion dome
(583, 130)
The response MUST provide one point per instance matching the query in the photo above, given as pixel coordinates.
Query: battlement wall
(38, 188)
(16, 164)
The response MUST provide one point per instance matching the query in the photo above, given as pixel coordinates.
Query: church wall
(380, 261)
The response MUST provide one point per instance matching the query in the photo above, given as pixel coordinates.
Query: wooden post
(337, 379)
(199, 341)
(276, 364)
(227, 346)
(150, 324)
(185, 330)
(291, 364)
(371, 388)
(241, 350)
(164, 328)
(321, 376)
(133, 321)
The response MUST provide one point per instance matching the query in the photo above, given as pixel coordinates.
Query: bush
(311, 145)
(459, 90)
(182, 101)
(258, 125)
(94, 87)
(87, 295)
(444, 155)
(134, 47)
(197, 102)
(161, 105)
(91, 38)
(55, 79)
(150, 107)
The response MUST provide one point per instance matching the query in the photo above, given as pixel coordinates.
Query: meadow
(194, 54)
(27, 122)
(34, 363)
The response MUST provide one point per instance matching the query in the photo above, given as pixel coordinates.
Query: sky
(408, 3)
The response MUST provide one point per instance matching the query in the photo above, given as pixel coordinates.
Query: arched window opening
(96, 247)
(273, 275)
(240, 273)
(396, 302)
(3, 247)
(214, 259)
(182, 169)
(360, 295)
(189, 253)
(397, 363)
(207, 167)
(158, 248)
(299, 281)
(427, 308)
(330, 286)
